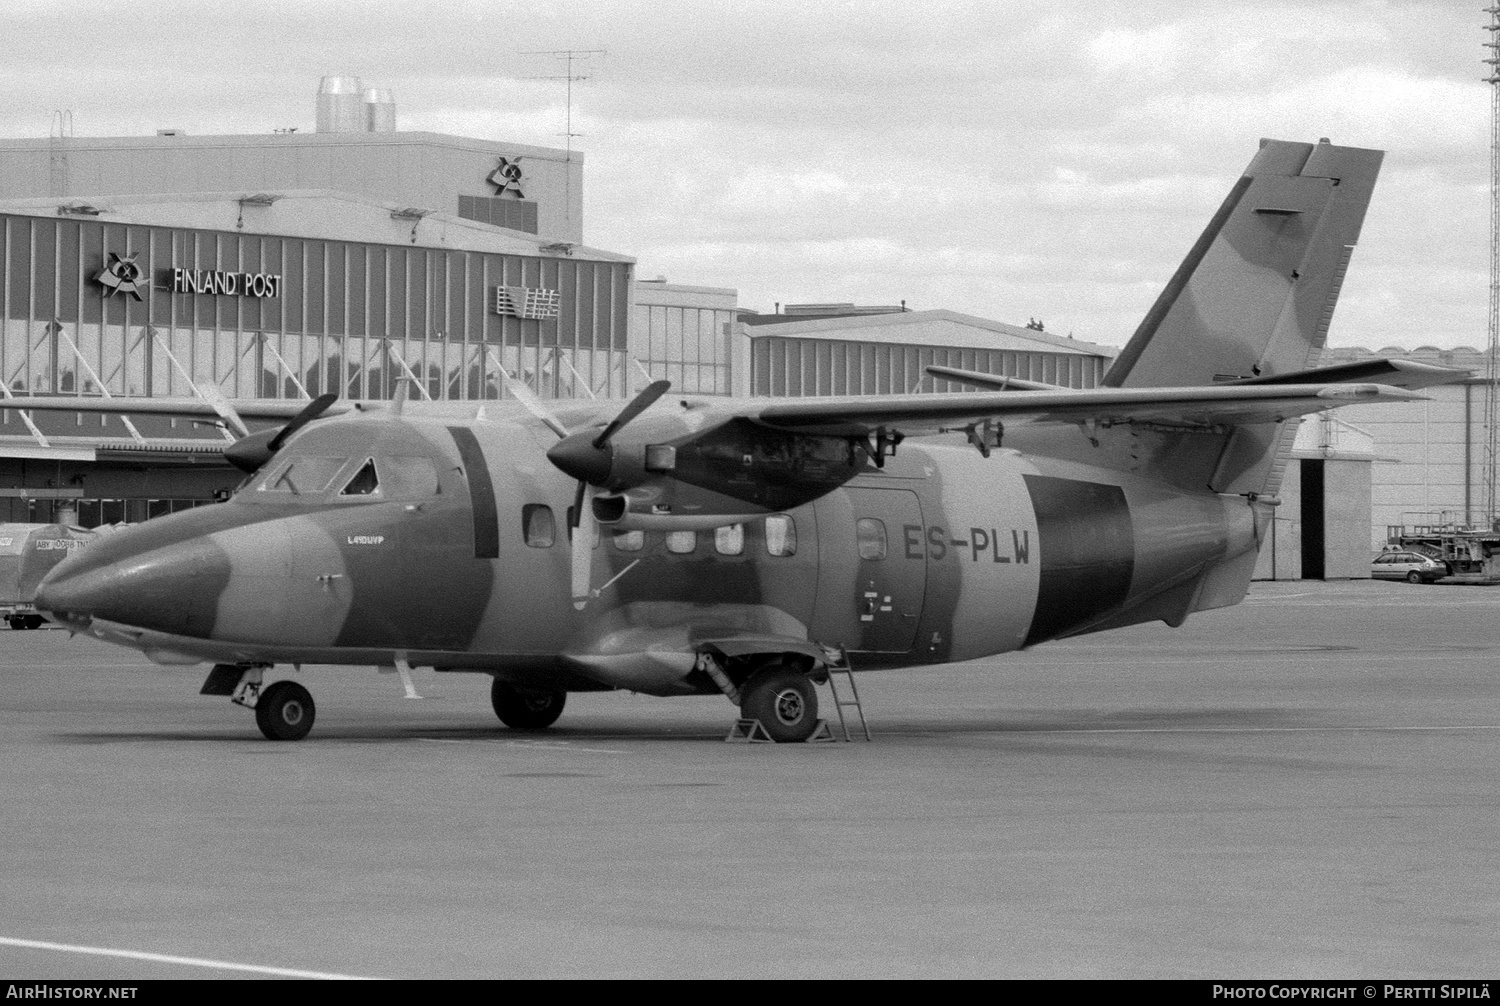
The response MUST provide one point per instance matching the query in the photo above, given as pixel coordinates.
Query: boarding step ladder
(838, 663)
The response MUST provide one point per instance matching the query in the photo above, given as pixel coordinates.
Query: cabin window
(781, 535)
(537, 525)
(630, 541)
(304, 475)
(364, 483)
(730, 540)
(869, 534)
(681, 542)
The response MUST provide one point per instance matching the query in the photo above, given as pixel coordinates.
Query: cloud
(1003, 158)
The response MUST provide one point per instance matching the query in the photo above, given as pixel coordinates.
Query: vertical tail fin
(1255, 295)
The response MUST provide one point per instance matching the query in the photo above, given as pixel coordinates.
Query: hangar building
(289, 263)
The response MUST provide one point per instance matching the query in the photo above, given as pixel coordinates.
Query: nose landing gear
(284, 711)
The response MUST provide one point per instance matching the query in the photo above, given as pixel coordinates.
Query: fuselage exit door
(891, 582)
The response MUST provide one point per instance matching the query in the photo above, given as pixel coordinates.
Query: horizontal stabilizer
(989, 382)
(1407, 374)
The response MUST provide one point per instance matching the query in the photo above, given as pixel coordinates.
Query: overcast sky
(1012, 160)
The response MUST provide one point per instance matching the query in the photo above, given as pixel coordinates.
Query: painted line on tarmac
(562, 746)
(1300, 657)
(1255, 730)
(1326, 601)
(196, 962)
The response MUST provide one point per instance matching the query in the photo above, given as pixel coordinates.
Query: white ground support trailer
(1472, 554)
(27, 553)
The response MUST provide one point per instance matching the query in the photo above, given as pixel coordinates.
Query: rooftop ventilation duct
(341, 105)
(380, 110)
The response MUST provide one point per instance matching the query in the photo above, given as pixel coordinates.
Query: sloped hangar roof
(938, 327)
(321, 214)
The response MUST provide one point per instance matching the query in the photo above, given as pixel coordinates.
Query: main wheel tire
(1413, 577)
(35, 621)
(285, 711)
(17, 622)
(785, 702)
(523, 709)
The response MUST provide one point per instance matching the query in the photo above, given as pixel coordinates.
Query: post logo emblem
(121, 275)
(506, 178)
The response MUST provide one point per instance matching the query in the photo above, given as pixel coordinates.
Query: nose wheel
(285, 711)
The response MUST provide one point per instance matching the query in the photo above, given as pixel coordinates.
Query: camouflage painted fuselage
(942, 555)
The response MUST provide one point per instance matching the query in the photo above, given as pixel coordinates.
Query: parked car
(1412, 567)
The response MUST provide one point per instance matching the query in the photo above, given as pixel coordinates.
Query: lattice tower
(1492, 356)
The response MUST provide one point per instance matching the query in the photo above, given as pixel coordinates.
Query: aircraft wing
(1198, 408)
(182, 408)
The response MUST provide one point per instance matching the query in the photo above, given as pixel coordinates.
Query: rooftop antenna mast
(570, 56)
(58, 135)
(1492, 356)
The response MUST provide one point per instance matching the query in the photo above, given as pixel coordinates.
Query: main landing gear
(783, 700)
(526, 709)
(777, 699)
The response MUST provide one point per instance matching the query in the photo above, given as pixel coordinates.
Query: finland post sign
(226, 284)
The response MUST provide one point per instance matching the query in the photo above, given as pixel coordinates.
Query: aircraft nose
(171, 588)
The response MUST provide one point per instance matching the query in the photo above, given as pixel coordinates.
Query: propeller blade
(533, 404)
(583, 545)
(578, 501)
(215, 398)
(640, 403)
(314, 409)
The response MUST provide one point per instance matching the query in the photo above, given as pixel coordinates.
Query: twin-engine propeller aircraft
(689, 545)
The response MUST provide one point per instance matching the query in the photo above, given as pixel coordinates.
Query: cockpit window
(364, 483)
(367, 479)
(407, 477)
(304, 475)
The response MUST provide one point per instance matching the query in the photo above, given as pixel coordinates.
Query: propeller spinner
(248, 454)
(589, 457)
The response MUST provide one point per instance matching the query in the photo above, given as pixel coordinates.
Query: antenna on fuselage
(398, 400)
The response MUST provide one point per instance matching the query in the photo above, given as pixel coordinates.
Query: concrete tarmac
(1305, 785)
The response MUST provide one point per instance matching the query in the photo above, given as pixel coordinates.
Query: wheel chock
(748, 732)
(822, 734)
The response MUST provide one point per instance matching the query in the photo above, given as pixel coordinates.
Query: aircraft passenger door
(892, 577)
